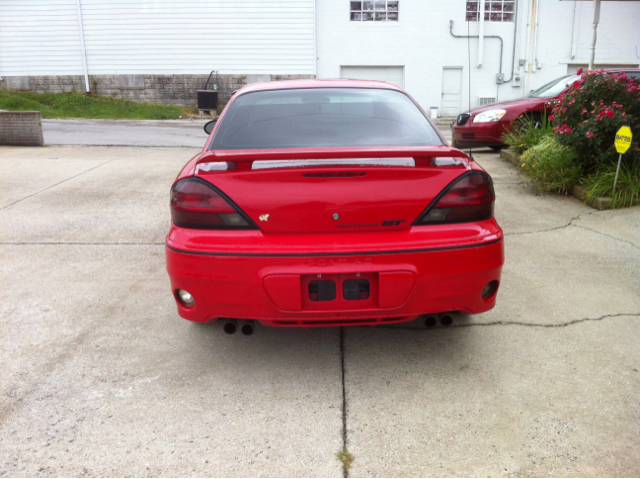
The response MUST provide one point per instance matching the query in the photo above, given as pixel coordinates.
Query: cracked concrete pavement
(100, 377)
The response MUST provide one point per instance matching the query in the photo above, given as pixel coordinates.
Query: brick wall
(20, 128)
(178, 90)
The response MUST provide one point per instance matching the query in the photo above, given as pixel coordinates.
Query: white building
(162, 50)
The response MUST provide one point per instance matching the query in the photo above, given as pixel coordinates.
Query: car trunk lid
(345, 190)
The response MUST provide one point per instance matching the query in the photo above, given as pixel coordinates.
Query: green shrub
(527, 132)
(600, 184)
(552, 165)
(591, 112)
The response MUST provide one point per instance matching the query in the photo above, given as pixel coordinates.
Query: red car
(485, 125)
(330, 203)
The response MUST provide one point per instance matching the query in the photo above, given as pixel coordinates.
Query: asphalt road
(153, 133)
(101, 377)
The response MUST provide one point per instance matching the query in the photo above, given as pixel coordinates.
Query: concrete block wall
(21, 128)
(178, 90)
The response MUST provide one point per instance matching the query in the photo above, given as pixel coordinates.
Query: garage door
(393, 75)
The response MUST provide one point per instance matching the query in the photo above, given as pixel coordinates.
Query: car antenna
(469, 61)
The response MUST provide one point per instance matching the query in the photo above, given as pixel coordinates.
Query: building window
(494, 11)
(375, 11)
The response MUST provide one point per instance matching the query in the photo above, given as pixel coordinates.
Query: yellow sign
(623, 139)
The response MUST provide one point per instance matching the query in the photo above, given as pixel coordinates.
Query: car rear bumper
(273, 288)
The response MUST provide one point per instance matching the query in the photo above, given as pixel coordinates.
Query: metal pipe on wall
(315, 39)
(594, 38)
(530, 30)
(574, 30)
(481, 33)
(535, 38)
(84, 52)
(477, 36)
(515, 39)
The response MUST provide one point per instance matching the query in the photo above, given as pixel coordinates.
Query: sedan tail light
(198, 204)
(469, 198)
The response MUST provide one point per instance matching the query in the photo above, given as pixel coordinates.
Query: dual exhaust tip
(432, 320)
(231, 326)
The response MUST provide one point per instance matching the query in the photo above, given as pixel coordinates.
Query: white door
(393, 75)
(451, 91)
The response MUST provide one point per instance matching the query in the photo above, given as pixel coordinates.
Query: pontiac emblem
(264, 217)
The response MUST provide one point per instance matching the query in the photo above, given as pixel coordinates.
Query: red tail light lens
(469, 198)
(198, 204)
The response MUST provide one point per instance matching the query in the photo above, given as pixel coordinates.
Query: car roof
(314, 83)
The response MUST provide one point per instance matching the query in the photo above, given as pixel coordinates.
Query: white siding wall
(39, 37)
(158, 36)
(421, 41)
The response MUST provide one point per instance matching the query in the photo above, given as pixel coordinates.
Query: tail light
(469, 198)
(198, 204)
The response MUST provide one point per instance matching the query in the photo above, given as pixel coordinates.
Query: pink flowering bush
(591, 112)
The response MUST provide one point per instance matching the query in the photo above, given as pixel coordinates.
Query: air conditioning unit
(485, 100)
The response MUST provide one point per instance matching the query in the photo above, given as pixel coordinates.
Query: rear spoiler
(223, 160)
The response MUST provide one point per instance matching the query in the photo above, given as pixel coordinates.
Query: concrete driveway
(100, 377)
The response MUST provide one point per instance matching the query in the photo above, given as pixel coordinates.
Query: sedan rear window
(323, 117)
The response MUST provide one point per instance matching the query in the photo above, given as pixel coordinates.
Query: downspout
(530, 44)
(524, 53)
(535, 38)
(84, 52)
(574, 31)
(315, 40)
(596, 20)
(481, 33)
(515, 39)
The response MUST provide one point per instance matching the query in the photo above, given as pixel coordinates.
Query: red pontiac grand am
(330, 203)
(485, 125)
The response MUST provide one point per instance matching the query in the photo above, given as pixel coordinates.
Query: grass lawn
(80, 105)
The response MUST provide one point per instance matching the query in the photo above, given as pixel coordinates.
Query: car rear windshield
(553, 88)
(323, 117)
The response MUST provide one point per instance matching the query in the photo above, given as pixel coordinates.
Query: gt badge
(264, 217)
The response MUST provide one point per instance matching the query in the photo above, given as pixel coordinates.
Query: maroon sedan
(485, 125)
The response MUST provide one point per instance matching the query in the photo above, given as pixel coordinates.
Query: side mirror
(208, 127)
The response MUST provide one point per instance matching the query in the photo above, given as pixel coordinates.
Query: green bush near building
(552, 165)
(577, 147)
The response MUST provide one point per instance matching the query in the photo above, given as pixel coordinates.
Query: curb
(578, 192)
